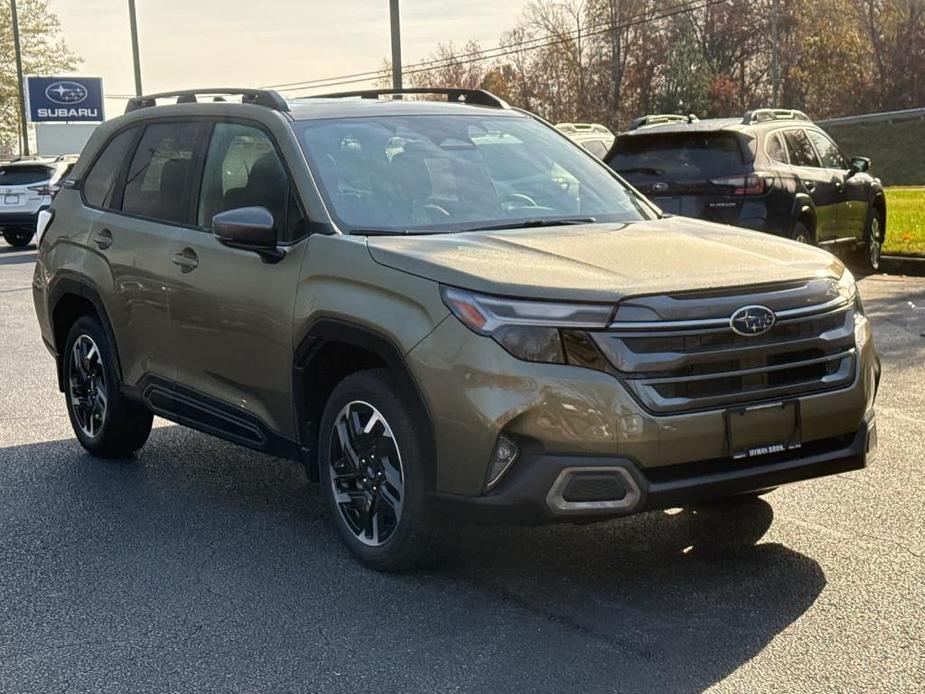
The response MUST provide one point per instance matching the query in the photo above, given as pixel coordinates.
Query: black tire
(19, 239)
(117, 426)
(410, 538)
(802, 234)
(874, 234)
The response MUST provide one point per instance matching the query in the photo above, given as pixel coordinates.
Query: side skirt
(211, 416)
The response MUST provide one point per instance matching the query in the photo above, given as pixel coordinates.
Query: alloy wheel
(874, 243)
(367, 478)
(87, 386)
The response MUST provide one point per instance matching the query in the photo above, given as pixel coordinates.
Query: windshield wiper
(529, 223)
(394, 232)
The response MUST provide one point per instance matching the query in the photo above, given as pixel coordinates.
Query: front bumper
(532, 492)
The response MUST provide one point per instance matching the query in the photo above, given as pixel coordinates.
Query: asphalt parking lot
(199, 566)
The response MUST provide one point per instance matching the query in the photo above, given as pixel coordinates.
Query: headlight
(527, 329)
(848, 289)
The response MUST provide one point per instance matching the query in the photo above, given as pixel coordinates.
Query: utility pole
(17, 49)
(396, 44)
(133, 21)
(775, 54)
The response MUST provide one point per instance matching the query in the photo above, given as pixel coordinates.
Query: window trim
(293, 189)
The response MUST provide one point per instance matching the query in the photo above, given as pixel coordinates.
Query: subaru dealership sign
(64, 99)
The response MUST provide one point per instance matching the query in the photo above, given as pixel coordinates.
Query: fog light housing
(502, 458)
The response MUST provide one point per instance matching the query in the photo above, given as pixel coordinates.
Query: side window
(243, 170)
(775, 148)
(596, 147)
(828, 151)
(161, 172)
(800, 149)
(100, 183)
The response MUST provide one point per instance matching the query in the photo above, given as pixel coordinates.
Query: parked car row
(27, 186)
(771, 170)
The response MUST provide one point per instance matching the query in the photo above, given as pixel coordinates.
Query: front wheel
(873, 238)
(19, 239)
(372, 456)
(801, 234)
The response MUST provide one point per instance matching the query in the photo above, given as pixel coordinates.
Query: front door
(231, 313)
(852, 211)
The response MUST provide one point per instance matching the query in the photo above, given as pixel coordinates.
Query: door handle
(103, 239)
(810, 186)
(186, 259)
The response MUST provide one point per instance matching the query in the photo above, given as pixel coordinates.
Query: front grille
(676, 365)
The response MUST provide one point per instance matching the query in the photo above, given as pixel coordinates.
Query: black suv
(772, 170)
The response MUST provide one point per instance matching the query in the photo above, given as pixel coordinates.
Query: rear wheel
(19, 239)
(372, 458)
(105, 422)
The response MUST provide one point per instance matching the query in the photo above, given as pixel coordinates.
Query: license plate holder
(10, 199)
(759, 430)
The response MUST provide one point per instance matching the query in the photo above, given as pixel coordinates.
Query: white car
(594, 137)
(27, 187)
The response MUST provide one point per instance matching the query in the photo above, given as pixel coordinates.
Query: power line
(498, 51)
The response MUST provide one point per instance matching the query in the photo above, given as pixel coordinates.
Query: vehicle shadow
(217, 564)
(17, 256)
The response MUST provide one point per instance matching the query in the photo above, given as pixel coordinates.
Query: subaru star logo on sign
(64, 99)
(752, 320)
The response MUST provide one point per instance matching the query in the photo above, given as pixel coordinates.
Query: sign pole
(24, 126)
(133, 21)
(396, 44)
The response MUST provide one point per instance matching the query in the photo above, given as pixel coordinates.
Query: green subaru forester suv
(445, 309)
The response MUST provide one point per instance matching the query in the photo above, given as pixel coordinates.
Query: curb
(902, 265)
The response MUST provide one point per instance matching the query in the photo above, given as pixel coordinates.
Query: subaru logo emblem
(660, 187)
(66, 93)
(752, 320)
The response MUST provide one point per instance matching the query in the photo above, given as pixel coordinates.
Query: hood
(604, 262)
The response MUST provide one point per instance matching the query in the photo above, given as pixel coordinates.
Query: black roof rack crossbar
(479, 97)
(259, 97)
(764, 115)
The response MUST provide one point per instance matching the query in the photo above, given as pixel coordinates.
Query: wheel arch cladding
(332, 350)
(70, 300)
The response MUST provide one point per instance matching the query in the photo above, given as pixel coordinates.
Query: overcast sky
(195, 43)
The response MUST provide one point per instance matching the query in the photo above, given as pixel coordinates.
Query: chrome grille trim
(679, 366)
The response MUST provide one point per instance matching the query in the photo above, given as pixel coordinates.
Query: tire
(375, 483)
(19, 239)
(104, 421)
(802, 234)
(873, 239)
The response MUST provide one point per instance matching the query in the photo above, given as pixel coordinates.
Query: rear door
(825, 186)
(138, 208)
(677, 170)
(231, 313)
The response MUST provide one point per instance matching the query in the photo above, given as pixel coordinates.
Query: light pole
(24, 126)
(396, 44)
(136, 61)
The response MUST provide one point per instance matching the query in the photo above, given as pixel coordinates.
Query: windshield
(407, 174)
(697, 155)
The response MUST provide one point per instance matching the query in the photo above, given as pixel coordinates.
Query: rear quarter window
(679, 155)
(100, 183)
(24, 175)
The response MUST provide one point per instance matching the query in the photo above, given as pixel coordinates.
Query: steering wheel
(514, 201)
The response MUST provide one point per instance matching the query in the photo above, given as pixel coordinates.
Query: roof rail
(764, 115)
(259, 97)
(478, 97)
(661, 119)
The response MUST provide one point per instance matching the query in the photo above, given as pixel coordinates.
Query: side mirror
(250, 229)
(858, 165)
